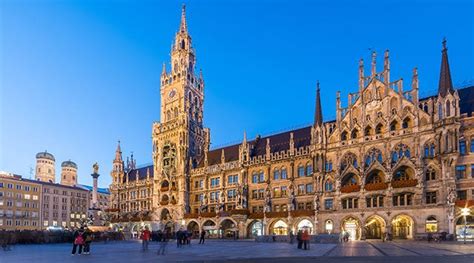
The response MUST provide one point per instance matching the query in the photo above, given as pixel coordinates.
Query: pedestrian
(202, 237)
(299, 238)
(179, 237)
(163, 243)
(87, 241)
(78, 241)
(292, 237)
(145, 237)
(274, 237)
(305, 238)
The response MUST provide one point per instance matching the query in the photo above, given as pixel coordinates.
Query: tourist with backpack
(78, 241)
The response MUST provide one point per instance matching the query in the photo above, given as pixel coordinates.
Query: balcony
(276, 214)
(208, 214)
(376, 186)
(302, 212)
(404, 183)
(350, 188)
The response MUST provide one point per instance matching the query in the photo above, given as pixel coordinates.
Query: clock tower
(179, 137)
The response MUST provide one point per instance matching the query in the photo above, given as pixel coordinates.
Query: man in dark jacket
(299, 238)
(202, 237)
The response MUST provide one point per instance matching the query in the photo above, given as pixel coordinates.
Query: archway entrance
(305, 224)
(351, 226)
(193, 228)
(374, 227)
(402, 227)
(210, 227)
(228, 229)
(255, 229)
(279, 228)
(467, 231)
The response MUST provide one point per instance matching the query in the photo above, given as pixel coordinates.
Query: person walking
(87, 241)
(299, 238)
(78, 241)
(202, 237)
(274, 237)
(145, 237)
(163, 243)
(305, 238)
(292, 237)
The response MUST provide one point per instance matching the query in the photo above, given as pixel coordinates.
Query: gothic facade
(390, 162)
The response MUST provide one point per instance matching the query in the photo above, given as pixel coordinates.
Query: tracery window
(347, 160)
(373, 155)
(400, 151)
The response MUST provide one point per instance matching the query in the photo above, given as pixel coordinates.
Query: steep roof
(278, 142)
(142, 173)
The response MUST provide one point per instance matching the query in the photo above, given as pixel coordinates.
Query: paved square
(214, 251)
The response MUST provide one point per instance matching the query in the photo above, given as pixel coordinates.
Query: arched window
(300, 171)
(406, 123)
(378, 129)
(350, 179)
(329, 226)
(347, 160)
(374, 177)
(276, 174)
(448, 108)
(328, 186)
(430, 174)
(431, 224)
(344, 136)
(373, 155)
(183, 44)
(402, 174)
(368, 131)
(309, 170)
(168, 115)
(440, 111)
(393, 125)
(283, 173)
(399, 152)
(354, 134)
(425, 108)
(176, 112)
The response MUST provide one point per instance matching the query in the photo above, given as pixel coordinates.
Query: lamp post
(465, 212)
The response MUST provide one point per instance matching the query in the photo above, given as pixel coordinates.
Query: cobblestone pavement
(214, 251)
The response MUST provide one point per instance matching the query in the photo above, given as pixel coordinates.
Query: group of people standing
(303, 239)
(82, 240)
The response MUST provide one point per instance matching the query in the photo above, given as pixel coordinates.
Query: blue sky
(76, 76)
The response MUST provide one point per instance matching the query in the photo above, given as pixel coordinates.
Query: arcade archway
(255, 229)
(305, 224)
(374, 227)
(193, 228)
(351, 227)
(228, 229)
(279, 228)
(211, 228)
(402, 227)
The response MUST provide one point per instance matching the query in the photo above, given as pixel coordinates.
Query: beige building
(20, 203)
(63, 206)
(69, 173)
(390, 162)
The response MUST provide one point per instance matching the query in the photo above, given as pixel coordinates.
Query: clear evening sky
(76, 76)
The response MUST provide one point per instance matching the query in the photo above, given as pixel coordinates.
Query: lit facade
(390, 162)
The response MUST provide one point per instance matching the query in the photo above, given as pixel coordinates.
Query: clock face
(172, 94)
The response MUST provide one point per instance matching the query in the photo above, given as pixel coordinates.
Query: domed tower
(45, 167)
(69, 173)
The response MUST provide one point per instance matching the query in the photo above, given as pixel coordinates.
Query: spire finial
(445, 82)
(163, 71)
(374, 63)
(183, 27)
(318, 113)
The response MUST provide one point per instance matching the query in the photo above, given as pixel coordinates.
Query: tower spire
(183, 27)
(445, 82)
(318, 113)
(118, 153)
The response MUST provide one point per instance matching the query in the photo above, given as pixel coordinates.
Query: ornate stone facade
(390, 162)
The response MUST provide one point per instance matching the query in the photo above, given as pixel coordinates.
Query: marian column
(95, 175)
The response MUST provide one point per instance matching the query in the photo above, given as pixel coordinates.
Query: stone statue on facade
(316, 203)
(221, 201)
(238, 198)
(245, 193)
(292, 199)
(268, 201)
(451, 198)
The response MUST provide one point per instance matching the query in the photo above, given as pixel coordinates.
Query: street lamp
(465, 212)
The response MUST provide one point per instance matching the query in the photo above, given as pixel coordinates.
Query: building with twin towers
(391, 162)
